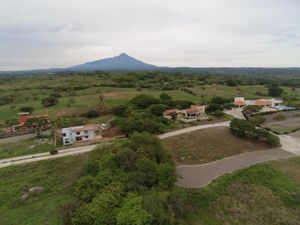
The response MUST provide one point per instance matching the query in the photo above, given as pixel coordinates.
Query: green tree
(144, 101)
(132, 212)
(275, 91)
(85, 188)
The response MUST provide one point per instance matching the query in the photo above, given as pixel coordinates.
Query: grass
(283, 122)
(208, 145)
(267, 193)
(55, 176)
(263, 194)
(25, 147)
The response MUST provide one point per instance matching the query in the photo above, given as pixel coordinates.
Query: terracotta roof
(239, 103)
(263, 102)
(170, 111)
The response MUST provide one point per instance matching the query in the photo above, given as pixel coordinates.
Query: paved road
(195, 176)
(236, 112)
(45, 156)
(190, 129)
(290, 143)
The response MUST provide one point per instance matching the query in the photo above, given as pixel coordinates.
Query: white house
(77, 134)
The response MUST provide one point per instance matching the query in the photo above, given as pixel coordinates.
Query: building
(241, 102)
(72, 135)
(39, 121)
(194, 112)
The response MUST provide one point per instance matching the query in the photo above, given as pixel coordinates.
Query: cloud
(53, 33)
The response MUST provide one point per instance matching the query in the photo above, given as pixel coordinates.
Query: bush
(257, 120)
(213, 108)
(158, 109)
(218, 113)
(253, 108)
(26, 109)
(50, 101)
(91, 114)
(144, 101)
(279, 117)
(220, 100)
(53, 152)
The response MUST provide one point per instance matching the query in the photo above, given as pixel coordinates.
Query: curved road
(192, 176)
(195, 176)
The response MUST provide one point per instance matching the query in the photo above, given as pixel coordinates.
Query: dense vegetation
(247, 129)
(125, 183)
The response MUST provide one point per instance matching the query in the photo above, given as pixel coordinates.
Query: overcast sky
(198, 33)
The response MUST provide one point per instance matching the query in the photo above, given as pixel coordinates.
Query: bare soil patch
(209, 145)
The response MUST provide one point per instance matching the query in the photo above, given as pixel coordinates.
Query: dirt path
(195, 176)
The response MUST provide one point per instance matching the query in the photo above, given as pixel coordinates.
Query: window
(77, 133)
(64, 134)
(87, 136)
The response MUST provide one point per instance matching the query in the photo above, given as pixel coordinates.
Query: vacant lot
(25, 147)
(55, 176)
(262, 194)
(209, 145)
(283, 122)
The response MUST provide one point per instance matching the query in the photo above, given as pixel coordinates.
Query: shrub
(144, 101)
(91, 114)
(158, 109)
(218, 113)
(26, 109)
(220, 100)
(213, 108)
(50, 101)
(53, 152)
(257, 120)
(279, 117)
(253, 108)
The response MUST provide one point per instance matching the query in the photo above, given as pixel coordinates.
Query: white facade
(73, 135)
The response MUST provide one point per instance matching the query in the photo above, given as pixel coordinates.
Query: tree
(37, 123)
(166, 175)
(85, 188)
(144, 101)
(219, 100)
(158, 109)
(132, 212)
(50, 101)
(275, 91)
(213, 108)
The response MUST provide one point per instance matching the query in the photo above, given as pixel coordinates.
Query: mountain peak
(123, 55)
(117, 63)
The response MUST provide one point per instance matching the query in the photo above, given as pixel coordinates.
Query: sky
(196, 33)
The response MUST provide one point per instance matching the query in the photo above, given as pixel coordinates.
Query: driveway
(290, 143)
(236, 113)
(195, 176)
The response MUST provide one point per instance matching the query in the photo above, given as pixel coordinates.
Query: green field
(263, 194)
(25, 147)
(81, 92)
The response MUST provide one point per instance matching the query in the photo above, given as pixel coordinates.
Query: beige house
(241, 102)
(194, 112)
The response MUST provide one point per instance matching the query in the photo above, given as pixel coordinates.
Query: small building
(194, 112)
(241, 102)
(72, 135)
(25, 116)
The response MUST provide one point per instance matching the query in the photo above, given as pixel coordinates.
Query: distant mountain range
(124, 62)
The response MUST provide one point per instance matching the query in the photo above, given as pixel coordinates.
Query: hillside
(263, 194)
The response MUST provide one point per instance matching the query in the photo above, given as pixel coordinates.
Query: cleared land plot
(283, 122)
(25, 147)
(55, 176)
(208, 145)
